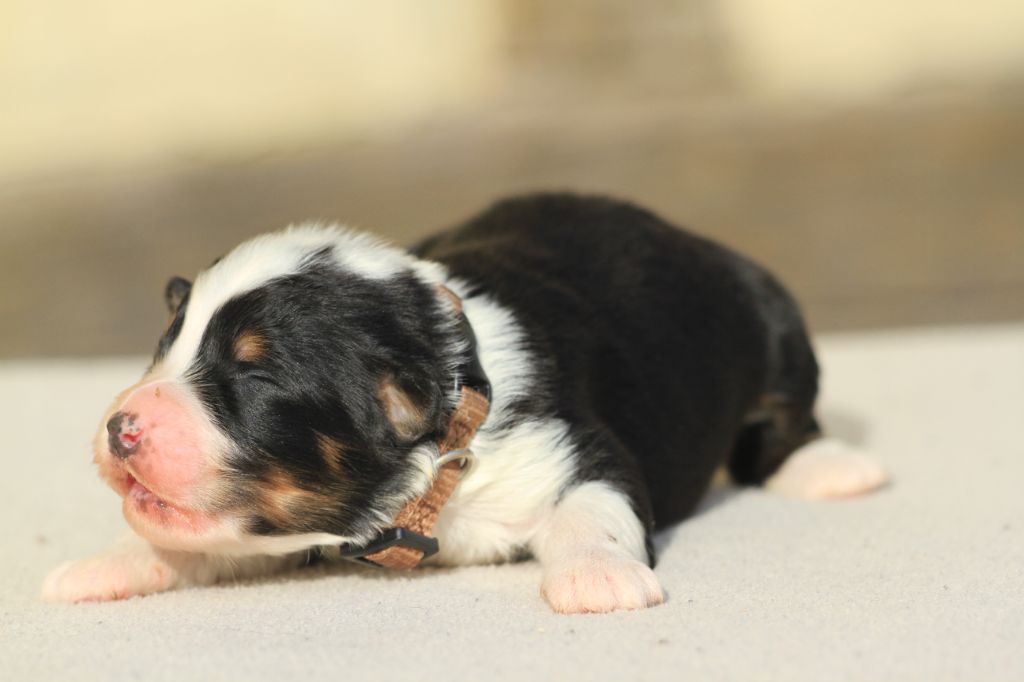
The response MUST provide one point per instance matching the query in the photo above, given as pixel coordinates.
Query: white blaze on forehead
(262, 259)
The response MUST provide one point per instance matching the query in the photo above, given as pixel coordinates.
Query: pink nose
(123, 435)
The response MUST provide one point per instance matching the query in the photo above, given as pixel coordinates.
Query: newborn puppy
(560, 376)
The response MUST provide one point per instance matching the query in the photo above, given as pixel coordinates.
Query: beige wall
(111, 82)
(141, 139)
(98, 84)
(851, 49)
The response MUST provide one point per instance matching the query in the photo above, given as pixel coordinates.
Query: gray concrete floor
(901, 214)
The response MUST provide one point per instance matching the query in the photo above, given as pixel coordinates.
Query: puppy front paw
(600, 582)
(108, 577)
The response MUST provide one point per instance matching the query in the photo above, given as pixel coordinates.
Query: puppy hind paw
(827, 469)
(601, 583)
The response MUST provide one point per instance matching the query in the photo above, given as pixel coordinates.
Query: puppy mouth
(142, 496)
(143, 506)
(132, 488)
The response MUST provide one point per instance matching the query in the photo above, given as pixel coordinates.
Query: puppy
(558, 377)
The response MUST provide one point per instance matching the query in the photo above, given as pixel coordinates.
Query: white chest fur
(520, 471)
(501, 503)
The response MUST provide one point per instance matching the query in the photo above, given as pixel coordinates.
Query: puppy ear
(450, 296)
(407, 418)
(175, 292)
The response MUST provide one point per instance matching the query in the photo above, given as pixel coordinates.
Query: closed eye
(251, 371)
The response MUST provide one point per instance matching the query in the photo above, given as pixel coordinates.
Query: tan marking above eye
(250, 347)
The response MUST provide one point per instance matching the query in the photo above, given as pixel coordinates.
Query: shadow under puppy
(317, 389)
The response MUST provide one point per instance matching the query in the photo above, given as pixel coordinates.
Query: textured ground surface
(924, 580)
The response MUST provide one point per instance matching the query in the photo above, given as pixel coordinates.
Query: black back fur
(668, 353)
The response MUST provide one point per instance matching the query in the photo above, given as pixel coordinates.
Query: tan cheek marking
(331, 450)
(279, 496)
(282, 501)
(405, 416)
(250, 347)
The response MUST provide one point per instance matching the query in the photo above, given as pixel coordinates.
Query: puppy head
(294, 399)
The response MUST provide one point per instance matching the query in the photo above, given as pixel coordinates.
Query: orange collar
(408, 541)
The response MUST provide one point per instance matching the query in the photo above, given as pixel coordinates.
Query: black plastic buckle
(401, 537)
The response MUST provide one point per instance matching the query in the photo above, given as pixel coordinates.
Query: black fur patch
(655, 344)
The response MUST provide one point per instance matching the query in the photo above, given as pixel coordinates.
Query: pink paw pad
(599, 583)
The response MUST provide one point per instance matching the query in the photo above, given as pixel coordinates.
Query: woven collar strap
(420, 515)
(409, 540)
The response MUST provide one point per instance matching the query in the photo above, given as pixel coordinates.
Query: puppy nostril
(123, 435)
(114, 425)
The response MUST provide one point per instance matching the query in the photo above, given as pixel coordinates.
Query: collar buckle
(392, 537)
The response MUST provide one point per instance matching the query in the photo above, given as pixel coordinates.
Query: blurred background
(870, 152)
